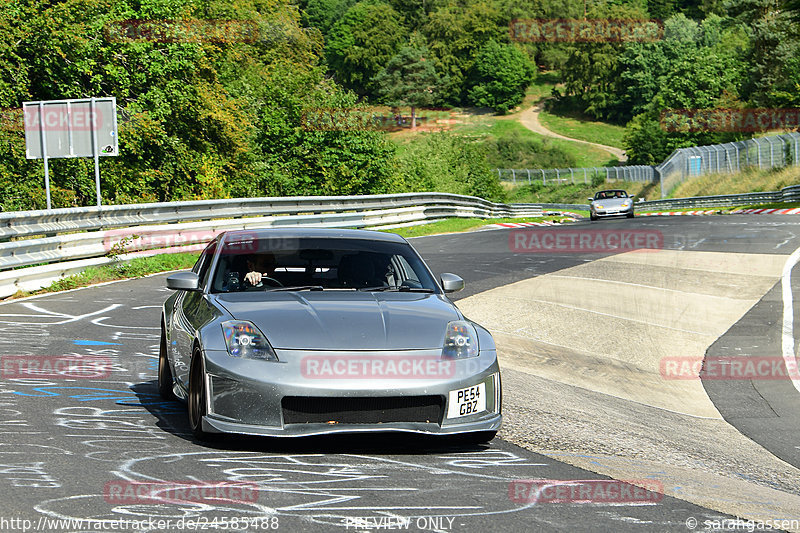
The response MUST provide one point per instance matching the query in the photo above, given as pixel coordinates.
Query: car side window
(202, 267)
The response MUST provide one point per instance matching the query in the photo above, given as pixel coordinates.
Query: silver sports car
(291, 332)
(611, 203)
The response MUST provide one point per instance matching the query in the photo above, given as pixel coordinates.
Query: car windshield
(604, 195)
(314, 264)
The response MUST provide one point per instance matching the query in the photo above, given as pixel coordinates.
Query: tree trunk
(413, 117)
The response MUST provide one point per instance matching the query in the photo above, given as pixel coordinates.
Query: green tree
(773, 77)
(499, 77)
(323, 14)
(409, 79)
(455, 30)
(362, 42)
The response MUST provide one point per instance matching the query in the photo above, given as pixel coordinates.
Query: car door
(184, 324)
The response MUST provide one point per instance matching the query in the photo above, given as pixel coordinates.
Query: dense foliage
(234, 114)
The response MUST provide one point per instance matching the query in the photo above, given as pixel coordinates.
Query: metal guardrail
(83, 237)
(31, 223)
(787, 194)
(565, 207)
(80, 237)
(727, 200)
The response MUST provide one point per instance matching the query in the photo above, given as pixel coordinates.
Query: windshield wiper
(401, 288)
(297, 288)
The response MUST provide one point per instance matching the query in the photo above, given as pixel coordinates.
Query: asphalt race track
(719, 449)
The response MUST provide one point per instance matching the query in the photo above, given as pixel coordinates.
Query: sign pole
(95, 151)
(43, 137)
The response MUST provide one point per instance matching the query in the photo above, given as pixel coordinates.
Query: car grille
(372, 410)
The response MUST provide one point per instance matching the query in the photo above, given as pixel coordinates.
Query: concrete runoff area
(582, 350)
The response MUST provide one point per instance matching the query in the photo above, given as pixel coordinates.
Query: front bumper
(624, 211)
(247, 396)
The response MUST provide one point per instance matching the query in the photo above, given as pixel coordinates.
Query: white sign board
(84, 127)
(69, 128)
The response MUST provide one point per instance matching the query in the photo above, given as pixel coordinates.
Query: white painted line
(787, 333)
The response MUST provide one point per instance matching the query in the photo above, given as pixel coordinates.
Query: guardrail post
(544, 179)
(514, 176)
(529, 175)
(572, 175)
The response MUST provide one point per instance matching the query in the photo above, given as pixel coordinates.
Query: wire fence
(577, 175)
(684, 163)
(766, 152)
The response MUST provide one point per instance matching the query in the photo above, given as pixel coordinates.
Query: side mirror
(183, 281)
(451, 282)
(591, 200)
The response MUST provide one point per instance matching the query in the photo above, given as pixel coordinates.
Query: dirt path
(530, 119)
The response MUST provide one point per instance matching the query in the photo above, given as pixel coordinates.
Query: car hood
(612, 202)
(333, 320)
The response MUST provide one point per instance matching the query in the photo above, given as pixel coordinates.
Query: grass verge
(576, 126)
(455, 225)
(578, 154)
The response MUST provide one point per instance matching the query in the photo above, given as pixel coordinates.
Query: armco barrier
(81, 237)
(30, 223)
(787, 194)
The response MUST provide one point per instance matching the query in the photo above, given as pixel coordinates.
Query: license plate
(464, 402)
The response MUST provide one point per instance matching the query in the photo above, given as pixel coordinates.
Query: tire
(630, 215)
(165, 380)
(592, 217)
(196, 400)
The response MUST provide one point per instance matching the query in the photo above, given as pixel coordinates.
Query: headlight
(625, 204)
(600, 206)
(244, 339)
(460, 340)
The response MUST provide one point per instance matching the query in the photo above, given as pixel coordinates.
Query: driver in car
(259, 266)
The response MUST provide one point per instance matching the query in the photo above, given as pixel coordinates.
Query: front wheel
(592, 217)
(197, 396)
(630, 215)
